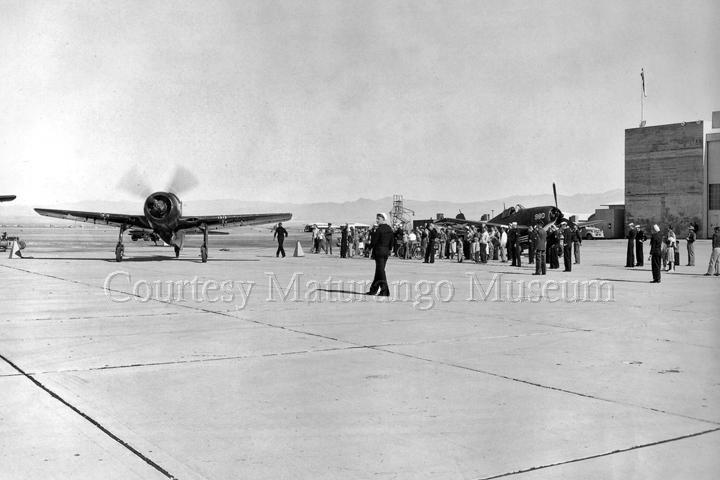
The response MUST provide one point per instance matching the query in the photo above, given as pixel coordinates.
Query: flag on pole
(642, 77)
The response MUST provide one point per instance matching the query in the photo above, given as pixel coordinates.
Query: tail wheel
(119, 251)
(203, 254)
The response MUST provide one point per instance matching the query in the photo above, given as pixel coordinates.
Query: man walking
(630, 260)
(382, 241)
(715, 255)
(655, 253)
(280, 233)
(691, 246)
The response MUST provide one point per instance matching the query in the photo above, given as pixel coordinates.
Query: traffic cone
(15, 250)
(298, 250)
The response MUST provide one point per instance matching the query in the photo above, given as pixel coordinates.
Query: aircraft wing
(113, 219)
(214, 222)
(457, 221)
(7, 198)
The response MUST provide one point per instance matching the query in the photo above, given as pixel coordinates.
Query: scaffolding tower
(399, 214)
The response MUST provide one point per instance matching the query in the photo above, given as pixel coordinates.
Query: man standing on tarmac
(382, 242)
(540, 246)
(639, 239)
(280, 233)
(691, 246)
(655, 253)
(576, 241)
(329, 238)
(630, 260)
(430, 249)
(567, 247)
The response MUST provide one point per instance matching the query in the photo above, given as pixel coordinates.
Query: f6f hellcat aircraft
(163, 216)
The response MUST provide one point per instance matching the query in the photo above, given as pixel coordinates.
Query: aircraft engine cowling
(163, 209)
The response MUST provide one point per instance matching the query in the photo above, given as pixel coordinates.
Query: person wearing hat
(691, 246)
(655, 253)
(280, 233)
(514, 242)
(382, 243)
(567, 246)
(639, 239)
(630, 260)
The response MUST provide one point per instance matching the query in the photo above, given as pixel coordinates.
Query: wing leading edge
(98, 218)
(213, 222)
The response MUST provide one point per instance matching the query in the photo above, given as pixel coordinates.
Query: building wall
(613, 221)
(713, 180)
(665, 177)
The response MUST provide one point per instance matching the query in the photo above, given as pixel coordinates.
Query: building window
(714, 196)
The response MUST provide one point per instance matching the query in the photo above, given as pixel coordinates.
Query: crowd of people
(665, 250)
(475, 243)
(482, 243)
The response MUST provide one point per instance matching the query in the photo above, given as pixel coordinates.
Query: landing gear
(203, 248)
(119, 248)
(177, 251)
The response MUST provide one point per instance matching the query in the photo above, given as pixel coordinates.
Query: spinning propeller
(133, 182)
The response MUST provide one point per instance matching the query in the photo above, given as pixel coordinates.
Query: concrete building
(665, 177)
(613, 220)
(712, 149)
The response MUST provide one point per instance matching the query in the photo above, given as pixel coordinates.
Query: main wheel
(203, 254)
(119, 250)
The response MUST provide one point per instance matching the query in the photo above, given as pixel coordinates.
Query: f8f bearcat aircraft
(163, 216)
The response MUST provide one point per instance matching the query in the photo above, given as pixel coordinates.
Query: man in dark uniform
(655, 253)
(430, 250)
(567, 247)
(540, 238)
(280, 233)
(344, 231)
(382, 242)
(630, 260)
(577, 242)
(639, 239)
(511, 235)
(532, 233)
(552, 247)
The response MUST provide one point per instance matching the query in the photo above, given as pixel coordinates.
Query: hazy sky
(301, 101)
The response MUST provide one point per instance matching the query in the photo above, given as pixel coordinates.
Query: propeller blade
(133, 182)
(183, 181)
(555, 194)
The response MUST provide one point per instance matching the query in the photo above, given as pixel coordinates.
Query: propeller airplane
(163, 215)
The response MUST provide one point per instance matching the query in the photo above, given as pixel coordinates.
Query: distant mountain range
(362, 210)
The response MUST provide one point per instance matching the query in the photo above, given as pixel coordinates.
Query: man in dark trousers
(577, 242)
(329, 238)
(639, 239)
(511, 237)
(382, 242)
(540, 246)
(655, 253)
(430, 250)
(567, 247)
(280, 233)
(630, 260)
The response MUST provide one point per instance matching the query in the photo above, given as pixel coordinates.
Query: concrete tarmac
(252, 366)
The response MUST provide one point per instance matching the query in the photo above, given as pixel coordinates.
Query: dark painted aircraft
(163, 216)
(524, 217)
